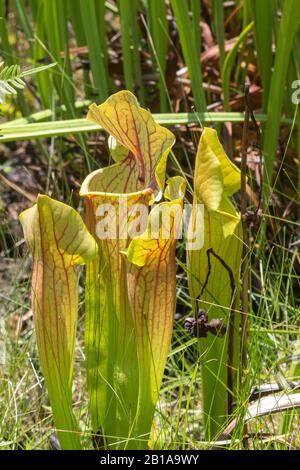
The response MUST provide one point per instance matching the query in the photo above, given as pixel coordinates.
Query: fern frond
(11, 77)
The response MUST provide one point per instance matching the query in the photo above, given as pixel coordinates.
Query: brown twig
(230, 347)
(245, 252)
(258, 145)
(230, 350)
(16, 188)
(245, 258)
(249, 220)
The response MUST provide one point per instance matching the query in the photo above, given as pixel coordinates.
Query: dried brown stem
(245, 255)
(230, 350)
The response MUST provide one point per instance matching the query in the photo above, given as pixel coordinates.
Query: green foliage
(289, 25)
(229, 63)
(187, 35)
(147, 35)
(11, 77)
(144, 28)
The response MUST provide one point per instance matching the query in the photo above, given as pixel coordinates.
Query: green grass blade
(136, 57)
(100, 8)
(44, 115)
(73, 9)
(229, 63)
(263, 14)
(96, 55)
(44, 81)
(7, 52)
(23, 18)
(12, 132)
(288, 27)
(55, 18)
(218, 10)
(240, 72)
(126, 33)
(189, 49)
(196, 17)
(157, 12)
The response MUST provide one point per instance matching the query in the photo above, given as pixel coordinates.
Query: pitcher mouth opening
(89, 187)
